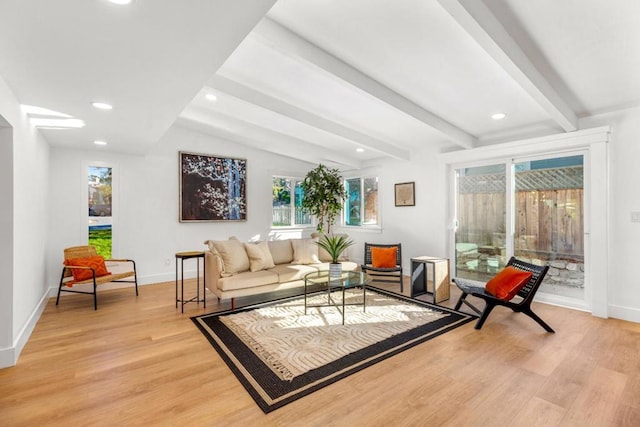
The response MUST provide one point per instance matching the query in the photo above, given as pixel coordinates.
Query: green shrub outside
(101, 239)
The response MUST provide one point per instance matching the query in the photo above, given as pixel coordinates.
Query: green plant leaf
(334, 245)
(324, 194)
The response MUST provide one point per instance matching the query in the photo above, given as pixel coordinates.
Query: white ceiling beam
(253, 136)
(295, 46)
(482, 25)
(270, 103)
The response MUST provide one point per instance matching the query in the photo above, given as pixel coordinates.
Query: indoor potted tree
(323, 195)
(335, 245)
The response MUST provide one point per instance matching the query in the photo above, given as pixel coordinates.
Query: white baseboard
(624, 313)
(149, 279)
(9, 356)
(614, 311)
(161, 277)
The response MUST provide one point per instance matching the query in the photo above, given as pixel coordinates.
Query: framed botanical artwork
(405, 194)
(212, 188)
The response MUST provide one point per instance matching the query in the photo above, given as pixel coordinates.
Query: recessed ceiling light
(122, 2)
(100, 142)
(211, 97)
(102, 105)
(498, 116)
(360, 150)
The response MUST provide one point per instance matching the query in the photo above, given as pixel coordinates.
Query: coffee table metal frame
(348, 280)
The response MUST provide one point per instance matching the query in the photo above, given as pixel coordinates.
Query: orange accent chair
(519, 303)
(83, 265)
(380, 271)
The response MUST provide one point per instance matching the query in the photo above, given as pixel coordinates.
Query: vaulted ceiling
(346, 83)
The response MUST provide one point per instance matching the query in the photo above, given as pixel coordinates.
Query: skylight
(50, 119)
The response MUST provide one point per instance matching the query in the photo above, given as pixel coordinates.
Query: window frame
(593, 142)
(362, 178)
(292, 206)
(115, 202)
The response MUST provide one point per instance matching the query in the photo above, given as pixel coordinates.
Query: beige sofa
(235, 269)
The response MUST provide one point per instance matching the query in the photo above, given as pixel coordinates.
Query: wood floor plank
(597, 403)
(140, 361)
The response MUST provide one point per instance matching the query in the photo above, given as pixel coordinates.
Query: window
(361, 204)
(287, 196)
(99, 198)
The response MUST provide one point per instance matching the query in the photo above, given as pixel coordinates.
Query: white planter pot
(335, 271)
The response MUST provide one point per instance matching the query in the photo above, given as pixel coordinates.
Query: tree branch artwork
(212, 188)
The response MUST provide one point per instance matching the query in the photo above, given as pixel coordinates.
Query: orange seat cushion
(95, 262)
(507, 283)
(383, 257)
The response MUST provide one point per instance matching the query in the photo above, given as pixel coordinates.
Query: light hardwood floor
(139, 361)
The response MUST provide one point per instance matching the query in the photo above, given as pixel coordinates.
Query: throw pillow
(383, 257)
(506, 284)
(305, 251)
(216, 254)
(95, 262)
(281, 251)
(234, 257)
(259, 256)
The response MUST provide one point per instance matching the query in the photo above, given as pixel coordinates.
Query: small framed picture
(405, 194)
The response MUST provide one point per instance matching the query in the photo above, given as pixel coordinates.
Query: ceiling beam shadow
(295, 46)
(483, 26)
(250, 135)
(244, 93)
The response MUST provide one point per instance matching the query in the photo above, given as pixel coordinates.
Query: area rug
(281, 354)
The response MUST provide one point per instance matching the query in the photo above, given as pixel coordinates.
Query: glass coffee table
(321, 281)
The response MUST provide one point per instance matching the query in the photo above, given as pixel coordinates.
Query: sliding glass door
(481, 221)
(531, 208)
(549, 221)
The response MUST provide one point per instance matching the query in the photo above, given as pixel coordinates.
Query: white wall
(624, 236)
(146, 226)
(6, 242)
(25, 207)
(421, 229)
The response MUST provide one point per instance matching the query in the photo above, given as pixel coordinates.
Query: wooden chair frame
(86, 251)
(475, 288)
(383, 274)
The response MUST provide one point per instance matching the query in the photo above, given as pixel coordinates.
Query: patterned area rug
(280, 354)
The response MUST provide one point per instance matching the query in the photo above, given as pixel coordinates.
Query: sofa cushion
(215, 253)
(234, 257)
(281, 251)
(247, 279)
(259, 256)
(305, 251)
(291, 272)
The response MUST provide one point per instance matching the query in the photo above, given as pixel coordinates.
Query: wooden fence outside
(547, 221)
